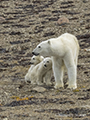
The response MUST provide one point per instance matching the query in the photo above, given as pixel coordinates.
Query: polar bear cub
(64, 51)
(45, 72)
(34, 61)
(41, 71)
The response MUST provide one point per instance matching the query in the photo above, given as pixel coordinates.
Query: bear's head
(43, 49)
(36, 59)
(47, 62)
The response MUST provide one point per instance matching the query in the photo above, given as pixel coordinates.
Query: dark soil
(24, 24)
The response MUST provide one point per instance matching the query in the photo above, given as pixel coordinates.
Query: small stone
(75, 29)
(88, 50)
(5, 119)
(6, 93)
(85, 1)
(17, 89)
(62, 21)
(2, 19)
(39, 89)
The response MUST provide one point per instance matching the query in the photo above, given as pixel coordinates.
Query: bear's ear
(48, 42)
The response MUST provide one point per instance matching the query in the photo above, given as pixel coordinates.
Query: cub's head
(36, 59)
(47, 62)
(42, 49)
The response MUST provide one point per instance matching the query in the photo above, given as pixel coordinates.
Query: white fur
(40, 71)
(47, 70)
(34, 61)
(64, 51)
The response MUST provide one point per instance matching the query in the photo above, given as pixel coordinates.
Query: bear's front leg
(39, 80)
(33, 82)
(27, 78)
(58, 70)
(72, 70)
(48, 78)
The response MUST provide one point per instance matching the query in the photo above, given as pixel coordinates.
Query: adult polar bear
(64, 51)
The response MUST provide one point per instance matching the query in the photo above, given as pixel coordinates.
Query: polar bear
(34, 61)
(64, 51)
(41, 71)
(47, 71)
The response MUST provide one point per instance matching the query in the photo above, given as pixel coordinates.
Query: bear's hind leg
(72, 70)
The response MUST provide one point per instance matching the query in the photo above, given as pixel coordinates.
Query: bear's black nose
(33, 53)
(31, 63)
(45, 65)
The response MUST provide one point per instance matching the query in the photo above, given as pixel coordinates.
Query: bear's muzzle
(36, 54)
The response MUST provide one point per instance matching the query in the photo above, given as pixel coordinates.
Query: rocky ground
(24, 24)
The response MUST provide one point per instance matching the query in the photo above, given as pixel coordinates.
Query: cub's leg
(39, 80)
(48, 77)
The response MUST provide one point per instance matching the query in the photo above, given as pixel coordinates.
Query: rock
(39, 89)
(87, 50)
(62, 21)
(85, 1)
(2, 19)
(5, 119)
(0, 108)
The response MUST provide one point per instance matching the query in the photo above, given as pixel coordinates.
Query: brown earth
(24, 24)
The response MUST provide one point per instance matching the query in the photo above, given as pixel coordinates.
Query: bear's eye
(39, 46)
(47, 61)
(33, 58)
